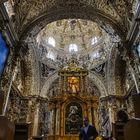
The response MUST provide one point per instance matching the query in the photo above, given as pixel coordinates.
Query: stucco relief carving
(28, 11)
(111, 72)
(99, 84)
(44, 116)
(48, 83)
(17, 107)
(34, 66)
(93, 77)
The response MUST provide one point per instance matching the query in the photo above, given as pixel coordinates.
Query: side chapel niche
(69, 102)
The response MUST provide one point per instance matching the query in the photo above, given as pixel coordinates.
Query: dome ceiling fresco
(60, 40)
(72, 31)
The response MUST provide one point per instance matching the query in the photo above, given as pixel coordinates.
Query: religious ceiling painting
(59, 40)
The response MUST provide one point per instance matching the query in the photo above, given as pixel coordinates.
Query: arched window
(9, 8)
(51, 55)
(138, 49)
(4, 51)
(73, 48)
(94, 40)
(51, 41)
(95, 55)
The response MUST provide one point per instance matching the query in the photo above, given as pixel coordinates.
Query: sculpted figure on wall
(73, 118)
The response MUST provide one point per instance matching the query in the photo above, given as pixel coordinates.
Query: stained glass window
(3, 53)
(51, 55)
(95, 55)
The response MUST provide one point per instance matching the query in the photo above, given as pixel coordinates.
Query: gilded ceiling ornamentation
(59, 40)
(27, 11)
(32, 17)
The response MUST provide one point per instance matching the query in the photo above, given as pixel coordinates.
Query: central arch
(88, 13)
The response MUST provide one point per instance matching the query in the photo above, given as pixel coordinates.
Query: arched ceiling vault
(37, 24)
(31, 13)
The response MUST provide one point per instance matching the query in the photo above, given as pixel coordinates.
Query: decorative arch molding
(48, 83)
(89, 13)
(100, 85)
(115, 73)
(132, 90)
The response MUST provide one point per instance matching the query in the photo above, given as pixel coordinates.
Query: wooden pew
(7, 129)
(132, 128)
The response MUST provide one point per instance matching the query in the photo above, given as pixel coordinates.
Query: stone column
(36, 121)
(64, 85)
(51, 122)
(54, 120)
(62, 123)
(58, 119)
(134, 78)
(29, 112)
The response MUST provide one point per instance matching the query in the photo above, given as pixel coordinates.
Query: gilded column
(85, 85)
(82, 85)
(64, 85)
(95, 115)
(62, 122)
(85, 111)
(89, 113)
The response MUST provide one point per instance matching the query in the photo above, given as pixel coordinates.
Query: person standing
(88, 132)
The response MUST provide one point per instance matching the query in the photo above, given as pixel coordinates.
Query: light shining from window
(51, 41)
(94, 40)
(138, 49)
(73, 48)
(9, 8)
(95, 55)
(50, 55)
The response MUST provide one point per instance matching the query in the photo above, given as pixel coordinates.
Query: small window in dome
(95, 55)
(51, 55)
(51, 41)
(73, 48)
(94, 40)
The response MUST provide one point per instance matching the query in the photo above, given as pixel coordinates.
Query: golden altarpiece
(71, 104)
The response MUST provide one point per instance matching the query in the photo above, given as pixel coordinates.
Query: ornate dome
(61, 39)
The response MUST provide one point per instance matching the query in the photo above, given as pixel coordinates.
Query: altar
(71, 104)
